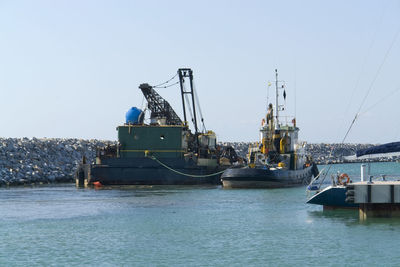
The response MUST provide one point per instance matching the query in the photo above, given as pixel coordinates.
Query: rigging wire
(363, 66)
(190, 110)
(198, 105)
(188, 103)
(379, 69)
(366, 95)
(373, 82)
(380, 100)
(166, 86)
(158, 85)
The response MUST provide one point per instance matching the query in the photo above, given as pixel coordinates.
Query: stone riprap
(44, 160)
(322, 153)
(51, 160)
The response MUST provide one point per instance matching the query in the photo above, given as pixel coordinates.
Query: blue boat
(332, 197)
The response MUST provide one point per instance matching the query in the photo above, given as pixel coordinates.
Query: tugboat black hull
(266, 178)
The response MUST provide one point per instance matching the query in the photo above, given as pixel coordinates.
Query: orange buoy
(97, 184)
(344, 179)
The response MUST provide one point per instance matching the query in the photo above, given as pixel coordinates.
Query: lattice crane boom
(159, 107)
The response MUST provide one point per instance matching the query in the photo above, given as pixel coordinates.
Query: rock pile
(322, 153)
(336, 153)
(25, 161)
(241, 148)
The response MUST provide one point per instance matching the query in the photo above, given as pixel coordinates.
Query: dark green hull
(146, 171)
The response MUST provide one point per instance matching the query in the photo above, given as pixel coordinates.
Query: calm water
(185, 226)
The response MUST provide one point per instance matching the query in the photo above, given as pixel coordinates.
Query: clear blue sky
(72, 68)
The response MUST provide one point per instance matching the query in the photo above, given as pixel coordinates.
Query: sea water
(189, 226)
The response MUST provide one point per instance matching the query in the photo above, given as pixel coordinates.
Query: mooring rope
(181, 173)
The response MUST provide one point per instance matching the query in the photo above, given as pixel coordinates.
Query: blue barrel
(132, 116)
(313, 187)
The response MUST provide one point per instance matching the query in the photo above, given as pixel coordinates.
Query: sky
(71, 69)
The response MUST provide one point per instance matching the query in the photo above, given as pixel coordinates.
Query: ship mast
(188, 73)
(277, 96)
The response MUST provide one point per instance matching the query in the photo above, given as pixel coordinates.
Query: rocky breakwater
(47, 160)
(343, 153)
(323, 153)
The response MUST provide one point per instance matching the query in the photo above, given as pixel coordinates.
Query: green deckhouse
(161, 141)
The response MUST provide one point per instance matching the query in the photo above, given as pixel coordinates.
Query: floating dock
(375, 199)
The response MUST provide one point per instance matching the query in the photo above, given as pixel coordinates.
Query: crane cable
(198, 105)
(166, 86)
(160, 85)
(188, 103)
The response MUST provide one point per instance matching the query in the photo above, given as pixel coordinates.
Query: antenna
(295, 90)
(277, 96)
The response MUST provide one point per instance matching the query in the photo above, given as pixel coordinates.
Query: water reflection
(153, 190)
(351, 217)
(340, 215)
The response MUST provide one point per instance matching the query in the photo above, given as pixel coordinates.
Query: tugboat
(278, 160)
(163, 151)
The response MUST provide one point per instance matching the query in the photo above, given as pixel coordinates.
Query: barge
(163, 150)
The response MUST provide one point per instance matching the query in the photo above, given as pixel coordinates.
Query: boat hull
(265, 178)
(145, 171)
(332, 197)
